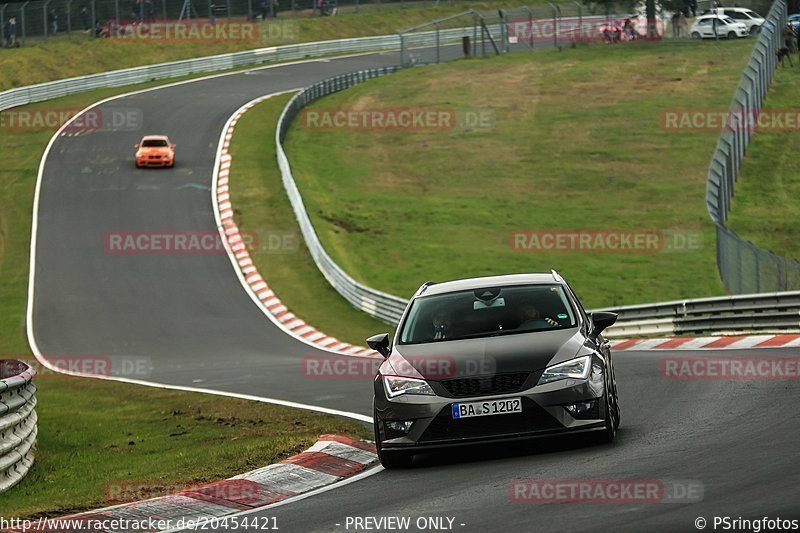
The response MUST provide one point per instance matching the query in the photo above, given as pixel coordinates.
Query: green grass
(577, 144)
(46, 60)
(262, 206)
(96, 436)
(766, 207)
(91, 432)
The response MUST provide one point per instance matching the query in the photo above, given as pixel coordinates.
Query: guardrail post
(22, 20)
(69, 19)
(44, 18)
(438, 51)
(3, 23)
(556, 15)
(530, 25)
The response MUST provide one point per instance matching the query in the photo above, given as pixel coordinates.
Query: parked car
(748, 17)
(713, 26)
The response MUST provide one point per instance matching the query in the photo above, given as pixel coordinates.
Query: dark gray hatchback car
(492, 359)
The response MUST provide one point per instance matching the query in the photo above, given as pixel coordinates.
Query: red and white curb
(266, 298)
(733, 342)
(296, 327)
(332, 459)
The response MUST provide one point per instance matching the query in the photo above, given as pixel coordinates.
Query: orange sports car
(155, 151)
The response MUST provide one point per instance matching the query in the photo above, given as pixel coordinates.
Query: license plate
(487, 408)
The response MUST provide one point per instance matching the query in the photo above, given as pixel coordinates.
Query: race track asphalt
(190, 318)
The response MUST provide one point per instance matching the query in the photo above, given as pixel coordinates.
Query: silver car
(492, 359)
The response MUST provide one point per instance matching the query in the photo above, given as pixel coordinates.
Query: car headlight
(578, 368)
(396, 385)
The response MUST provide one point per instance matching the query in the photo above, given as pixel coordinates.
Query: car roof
(155, 138)
(490, 281)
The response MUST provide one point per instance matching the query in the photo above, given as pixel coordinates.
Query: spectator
(136, 9)
(85, 19)
(683, 25)
(788, 36)
(149, 10)
(693, 7)
(264, 9)
(11, 33)
(676, 28)
(797, 37)
(274, 8)
(52, 18)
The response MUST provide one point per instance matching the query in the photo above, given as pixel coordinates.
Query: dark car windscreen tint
(154, 143)
(487, 312)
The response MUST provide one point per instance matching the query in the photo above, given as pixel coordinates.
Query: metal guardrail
(117, 78)
(746, 313)
(743, 266)
(381, 305)
(17, 421)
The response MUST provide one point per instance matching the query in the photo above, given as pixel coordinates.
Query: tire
(731, 35)
(696, 35)
(612, 419)
(390, 460)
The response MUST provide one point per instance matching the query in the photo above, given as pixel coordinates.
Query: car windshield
(487, 312)
(154, 143)
(728, 20)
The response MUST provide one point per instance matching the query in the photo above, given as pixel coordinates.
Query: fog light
(400, 426)
(583, 409)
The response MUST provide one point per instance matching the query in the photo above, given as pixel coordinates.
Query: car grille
(154, 157)
(485, 386)
(532, 418)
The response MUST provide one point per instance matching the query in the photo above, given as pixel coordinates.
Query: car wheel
(695, 35)
(390, 460)
(609, 432)
(731, 35)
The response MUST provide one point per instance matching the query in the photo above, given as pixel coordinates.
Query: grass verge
(577, 143)
(92, 433)
(766, 208)
(47, 60)
(261, 205)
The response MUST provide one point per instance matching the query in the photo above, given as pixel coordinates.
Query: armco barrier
(745, 313)
(17, 421)
(381, 305)
(118, 78)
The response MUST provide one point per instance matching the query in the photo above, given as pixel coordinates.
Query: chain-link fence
(36, 19)
(743, 266)
(523, 28)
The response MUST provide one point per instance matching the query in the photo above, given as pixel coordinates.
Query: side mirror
(174, 145)
(602, 320)
(380, 343)
(136, 146)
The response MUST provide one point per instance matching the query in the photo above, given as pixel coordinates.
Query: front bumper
(543, 414)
